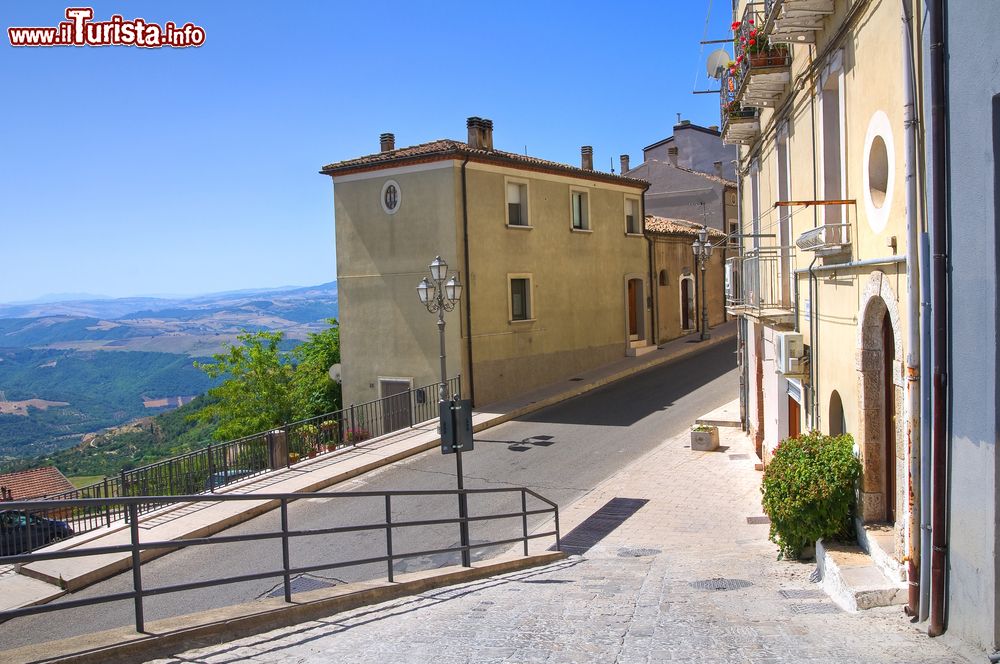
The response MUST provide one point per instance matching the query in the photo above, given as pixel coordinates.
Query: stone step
(852, 579)
(879, 542)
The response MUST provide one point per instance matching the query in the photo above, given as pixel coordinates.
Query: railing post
(555, 512)
(133, 513)
(211, 469)
(524, 519)
(351, 432)
(285, 560)
(388, 536)
(124, 494)
(107, 504)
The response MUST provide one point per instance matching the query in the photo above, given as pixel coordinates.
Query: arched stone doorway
(688, 319)
(880, 403)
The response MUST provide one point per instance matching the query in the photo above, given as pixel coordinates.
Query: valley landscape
(77, 367)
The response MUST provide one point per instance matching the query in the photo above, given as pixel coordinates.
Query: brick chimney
(474, 126)
(672, 155)
(486, 129)
(587, 158)
(624, 160)
(387, 142)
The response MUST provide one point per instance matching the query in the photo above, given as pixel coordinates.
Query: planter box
(705, 441)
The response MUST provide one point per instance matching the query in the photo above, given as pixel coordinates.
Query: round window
(878, 171)
(391, 197)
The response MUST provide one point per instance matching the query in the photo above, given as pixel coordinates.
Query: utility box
(789, 353)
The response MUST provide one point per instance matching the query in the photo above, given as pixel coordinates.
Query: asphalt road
(562, 452)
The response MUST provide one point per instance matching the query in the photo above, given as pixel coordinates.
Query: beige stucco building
(552, 256)
(816, 104)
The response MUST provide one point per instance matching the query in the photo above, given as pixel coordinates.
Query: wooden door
(396, 409)
(633, 315)
(794, 415)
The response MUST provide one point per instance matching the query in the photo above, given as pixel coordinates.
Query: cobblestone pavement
(686, 578)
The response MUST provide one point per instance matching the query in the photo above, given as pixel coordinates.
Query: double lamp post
(703, 251)
(442, 293)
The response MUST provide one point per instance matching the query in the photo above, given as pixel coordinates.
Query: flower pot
(705, 441)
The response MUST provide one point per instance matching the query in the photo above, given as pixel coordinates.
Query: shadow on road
(625, 402)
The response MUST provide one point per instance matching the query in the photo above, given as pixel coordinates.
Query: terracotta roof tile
(451, 149)
(36, 483)
(667, 226)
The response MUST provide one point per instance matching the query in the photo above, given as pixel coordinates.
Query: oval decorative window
(391, 197)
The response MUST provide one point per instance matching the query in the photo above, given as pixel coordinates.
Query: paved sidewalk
(685, 578)
(44, 581)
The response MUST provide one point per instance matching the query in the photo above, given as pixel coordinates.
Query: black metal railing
(286, 534)
(219, 464)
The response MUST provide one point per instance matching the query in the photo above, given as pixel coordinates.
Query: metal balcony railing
(738, 124)
(832, 237)
(759, 283)
(764, 68)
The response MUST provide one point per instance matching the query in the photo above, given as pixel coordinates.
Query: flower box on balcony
(772, 58)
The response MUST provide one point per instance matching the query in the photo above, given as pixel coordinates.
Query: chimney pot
(587, 157)
(672, 154)
(474, 125)
(387, 142)
(486, 127)
(624, 160)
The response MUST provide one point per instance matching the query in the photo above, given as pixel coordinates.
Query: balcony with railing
(758, 285)
(764, 67)
(795, 21)
(739, 125)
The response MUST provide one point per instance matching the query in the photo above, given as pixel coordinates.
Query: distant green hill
(142, 442)
(102, 389)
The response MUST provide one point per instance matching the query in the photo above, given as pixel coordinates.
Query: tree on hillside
(258, 393)
(313, 393)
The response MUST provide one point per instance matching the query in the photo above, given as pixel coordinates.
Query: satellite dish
(717, 62)
(335, 373)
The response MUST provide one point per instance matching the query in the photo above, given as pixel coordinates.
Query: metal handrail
(285, 534)
(219, 464)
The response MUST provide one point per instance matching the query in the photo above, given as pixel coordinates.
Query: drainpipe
(912, 402)
(468, 282)
(654, 289)
(925, 431)
(741, 325)
(813, 339)
(939, 303)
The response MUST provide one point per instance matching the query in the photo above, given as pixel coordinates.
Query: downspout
(654, 291)
(813, 354)
(912, 402)
(939, 304)
(925, 431)
(741, 325)
(813, 339)
(468, 282)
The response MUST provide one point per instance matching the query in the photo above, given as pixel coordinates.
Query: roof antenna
(678, 118)
(525, 150)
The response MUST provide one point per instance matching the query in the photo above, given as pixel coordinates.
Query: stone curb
(219, 626)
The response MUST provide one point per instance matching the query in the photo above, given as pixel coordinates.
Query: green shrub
(809, 490)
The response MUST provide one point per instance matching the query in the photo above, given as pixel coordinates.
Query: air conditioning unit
(789, 353)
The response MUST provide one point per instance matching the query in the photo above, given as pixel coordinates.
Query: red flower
(743, 40)
(753, 41)
(750, 21)
(753, 33)
(735, 25)
(739, 59)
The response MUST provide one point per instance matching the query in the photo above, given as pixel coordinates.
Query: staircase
(864, 575)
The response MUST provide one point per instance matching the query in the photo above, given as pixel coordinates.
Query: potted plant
(329, 431)
(293, 458)
(309, 434)
(704, 437)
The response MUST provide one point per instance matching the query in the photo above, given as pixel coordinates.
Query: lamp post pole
(703, 251)
(439, 295)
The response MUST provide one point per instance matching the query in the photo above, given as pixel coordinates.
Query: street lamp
(439, 295)
(703, 251)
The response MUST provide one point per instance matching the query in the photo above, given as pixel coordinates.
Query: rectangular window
(632, 225)
(734, 232)
(578, 201)
(520, 298)
(517, 204)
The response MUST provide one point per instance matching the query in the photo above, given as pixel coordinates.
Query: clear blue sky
(129, 171)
